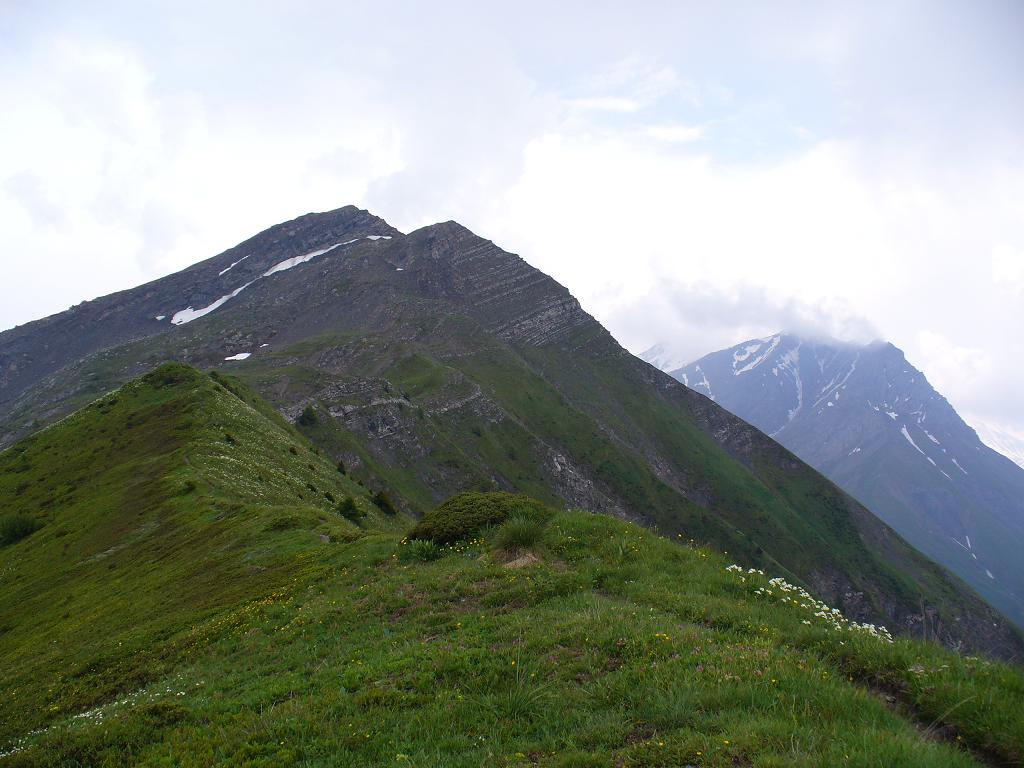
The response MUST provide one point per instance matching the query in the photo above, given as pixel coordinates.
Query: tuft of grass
(419, 550)
(519, 533)
(516, 695)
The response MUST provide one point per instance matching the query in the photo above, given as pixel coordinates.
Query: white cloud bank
(694, 175)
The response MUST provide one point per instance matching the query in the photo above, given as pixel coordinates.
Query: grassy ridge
(613, 648)
(163, 507)
(192, 597)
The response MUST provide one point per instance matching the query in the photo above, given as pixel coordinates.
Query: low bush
(14, 528)
(350, 510)
(384, 503)
(467, 514)
(308, 417)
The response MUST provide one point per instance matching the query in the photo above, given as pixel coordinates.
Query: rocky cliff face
(435, 362)
(870, 421)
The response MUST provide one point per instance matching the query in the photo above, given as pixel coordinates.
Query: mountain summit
(870, 421)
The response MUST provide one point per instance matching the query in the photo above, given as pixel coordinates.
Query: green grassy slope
(166, 509)
(605, 646)
(615, 428)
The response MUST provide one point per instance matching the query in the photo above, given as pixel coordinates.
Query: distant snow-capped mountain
(871, 422)
(1005, 441)
(661, 358)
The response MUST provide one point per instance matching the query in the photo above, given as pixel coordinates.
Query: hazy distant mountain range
(871, 422)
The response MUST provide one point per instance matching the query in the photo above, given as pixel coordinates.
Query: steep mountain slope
(436, 362)
(870, 421)
(166, 508)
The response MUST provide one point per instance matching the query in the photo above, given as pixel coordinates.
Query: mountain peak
(864, 416)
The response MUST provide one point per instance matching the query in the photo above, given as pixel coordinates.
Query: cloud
(675, 133)
(606, 104)
(698, 175)
(1008, 269)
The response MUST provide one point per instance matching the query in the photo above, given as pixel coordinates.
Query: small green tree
(308, 417)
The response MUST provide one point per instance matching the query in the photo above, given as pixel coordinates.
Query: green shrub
(518, 533)
(383, 502)
(171, 374)
(14, 528)
(308, 417)
(467, 514)
(350, 510)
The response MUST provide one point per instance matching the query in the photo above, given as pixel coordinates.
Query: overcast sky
(695, 173)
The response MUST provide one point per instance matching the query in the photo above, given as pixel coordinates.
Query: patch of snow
(989, 574)
(959, 467)
(830, 403)
(751, 349)
(893, 415)
(968, 540)
(931, 437)
(349, 242)
(188, 314)
(223, 271)
(836, 385)
(790, 361)
(239, 356)
(686, 380)
(855, 450)
(704, 382)
(911, 441)
(281, 266)
(160, 317)
(264, 345)
(399, 269)
(378, 237)
(739, 357)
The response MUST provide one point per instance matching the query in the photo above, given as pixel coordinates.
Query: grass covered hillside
(142, 526)
(183, 589)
